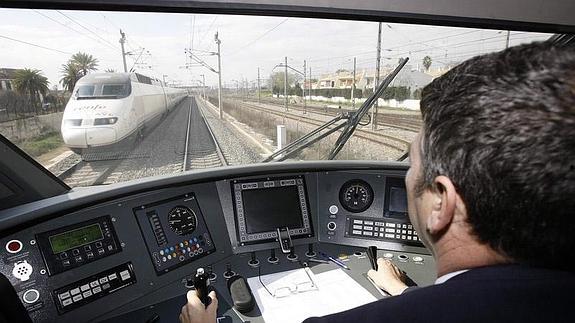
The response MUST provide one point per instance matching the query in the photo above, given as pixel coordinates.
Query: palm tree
(70, 75)
(427, 62)
(84, 62)
(31, 82)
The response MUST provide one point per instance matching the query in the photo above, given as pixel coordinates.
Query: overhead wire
(207, 32)
(36, 45)
(89, 30)
(397, 55)
(260, 37)
(395, 47)
(144, 51)
(68, 27)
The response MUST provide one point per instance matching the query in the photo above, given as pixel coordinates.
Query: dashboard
(100, 253)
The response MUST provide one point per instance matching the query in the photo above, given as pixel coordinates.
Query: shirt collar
(448, 276)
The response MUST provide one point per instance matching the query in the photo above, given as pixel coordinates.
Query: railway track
(201, 146)
(88, 173)
(403, 122)
(379, 138)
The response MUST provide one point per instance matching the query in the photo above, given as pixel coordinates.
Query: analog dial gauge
(182, 220)
(356, 196)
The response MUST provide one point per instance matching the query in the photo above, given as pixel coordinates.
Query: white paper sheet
(336, 292)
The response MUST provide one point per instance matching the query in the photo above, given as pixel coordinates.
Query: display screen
(271, 208)
(395, 198)
(398, 200)
(75, 238)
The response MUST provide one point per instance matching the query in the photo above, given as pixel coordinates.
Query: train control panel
(175, 232)
(132, 250)
(362, 209)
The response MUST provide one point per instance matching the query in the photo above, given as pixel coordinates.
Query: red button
(14, 246)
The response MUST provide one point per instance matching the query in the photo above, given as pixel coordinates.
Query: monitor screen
(75, 238)
(271, 208)
(395, 205)
(397, 199)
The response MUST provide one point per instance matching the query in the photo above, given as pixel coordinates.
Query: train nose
(85, 137)
(74, 137)
(100, 136)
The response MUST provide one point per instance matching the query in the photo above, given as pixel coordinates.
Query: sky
(46, 39)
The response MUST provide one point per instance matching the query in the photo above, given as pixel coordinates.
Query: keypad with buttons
(91, 288)
(81, 254)
(384, 230)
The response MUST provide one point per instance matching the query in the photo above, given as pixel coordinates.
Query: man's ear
(443, 205)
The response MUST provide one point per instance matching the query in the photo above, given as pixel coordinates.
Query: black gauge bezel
(181, 233)
(346, 186)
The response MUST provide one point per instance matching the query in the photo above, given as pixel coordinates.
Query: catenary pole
(218, 41)
(122, 41)
(285, 85)
(303, 89)
(377, 66)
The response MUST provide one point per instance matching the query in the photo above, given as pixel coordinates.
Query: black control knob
(229, 273)
(254, 262)
(189, 282)
(272, 259)
(331, 226)
(292, 256)
(212, 276)
(310, 253)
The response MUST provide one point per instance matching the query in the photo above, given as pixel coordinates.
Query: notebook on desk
(335, 292)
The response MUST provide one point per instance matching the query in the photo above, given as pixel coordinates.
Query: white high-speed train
(109, 108)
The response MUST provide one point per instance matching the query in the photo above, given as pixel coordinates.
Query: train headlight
(72, 122)
(105, 121)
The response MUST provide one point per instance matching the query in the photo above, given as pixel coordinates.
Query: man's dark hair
(501, 126)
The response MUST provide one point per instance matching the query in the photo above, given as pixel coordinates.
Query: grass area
(43, 144)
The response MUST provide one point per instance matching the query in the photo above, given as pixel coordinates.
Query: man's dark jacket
(510, 293)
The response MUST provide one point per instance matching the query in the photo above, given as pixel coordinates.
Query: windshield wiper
(352, 118)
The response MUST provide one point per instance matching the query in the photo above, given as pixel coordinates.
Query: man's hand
(388, 277)
(196, 312)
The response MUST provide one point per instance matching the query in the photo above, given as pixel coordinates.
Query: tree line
(400, 93)
(31, 93)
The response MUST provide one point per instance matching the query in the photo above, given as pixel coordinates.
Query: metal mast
(218, 41)
(285, 85)
(122, 41)
(377, 63)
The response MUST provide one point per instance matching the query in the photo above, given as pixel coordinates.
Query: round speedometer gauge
(182, 220)
(356, 196)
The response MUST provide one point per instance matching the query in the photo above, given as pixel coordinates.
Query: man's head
(496, 156)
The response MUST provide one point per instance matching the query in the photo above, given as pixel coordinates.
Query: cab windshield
(216, 90)
(102, 91)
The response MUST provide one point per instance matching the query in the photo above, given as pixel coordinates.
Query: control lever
(211, 274)
(190, 282)
(310, 253)
(372, 255)
(272, 259)
(292, 256)
(284, 239)
(201, 283)
(254, 262)
(229, 273)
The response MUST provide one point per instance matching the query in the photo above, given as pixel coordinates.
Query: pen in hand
(372, 255)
